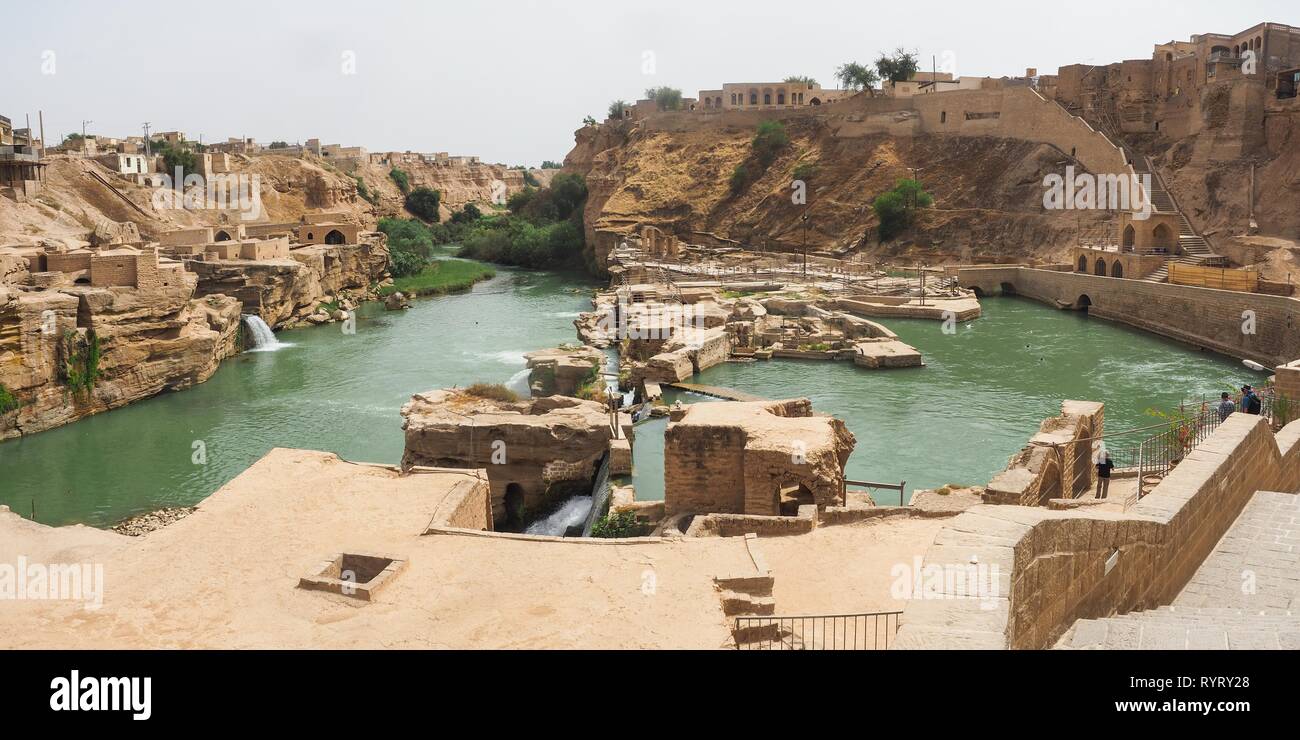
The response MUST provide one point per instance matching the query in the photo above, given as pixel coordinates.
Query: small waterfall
(572, 513)
(260, 336)
(519, 383)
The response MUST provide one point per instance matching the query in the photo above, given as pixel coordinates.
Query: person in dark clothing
(1104, 466)
(1250, 401)
(1226, 407)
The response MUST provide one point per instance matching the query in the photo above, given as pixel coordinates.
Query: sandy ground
(846, 569)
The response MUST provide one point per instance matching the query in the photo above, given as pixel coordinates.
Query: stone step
(737, 604)
(754, 585)
(1118, 634)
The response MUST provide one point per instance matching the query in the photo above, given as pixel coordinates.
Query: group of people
(1250, 403)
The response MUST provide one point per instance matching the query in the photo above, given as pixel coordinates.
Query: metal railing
(900, 487)
(872, 631)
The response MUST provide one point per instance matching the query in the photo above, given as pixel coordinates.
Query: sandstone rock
(562, 370)
(535, 452)
(396, 301)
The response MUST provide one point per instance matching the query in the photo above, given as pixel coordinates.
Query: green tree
(549, 165)
(897, 68)
(665, 98)
(854, 76)
(469, 214)
(896, 209)
(770, 140)
(616, 109)
(174, 157)
(278, 145)
(424, 202)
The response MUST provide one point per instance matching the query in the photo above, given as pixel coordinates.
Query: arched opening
(222, 236)
(82, 281)
(780, 97)
(1083, 303)
(978, 292)
(335, 237)
(1083, 263)
(753, 96)
(1008, 289)
(1130, 236)
(1163, 237)
(514, 503)
(1117, 270)
(1100, 268)
(793, 496)
(717, 102)
(310, 236)
(815, 101)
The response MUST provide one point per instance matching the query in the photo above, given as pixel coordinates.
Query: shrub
(424, 203)
(8, 401)
(618, 526)
(739, 179)
(897, 208)
(468, 214)
(517, 202)
(493, 391)
(549, 165)
(665, 98)
(770, 140)
(80, 360)
(402, 179)
(364, 192)
(805, 171)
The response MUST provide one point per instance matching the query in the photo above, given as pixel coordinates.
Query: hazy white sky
(510, 80)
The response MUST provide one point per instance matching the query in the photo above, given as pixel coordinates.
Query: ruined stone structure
(757, 458)
(563, 371)
(1058, 461)
(536, 451)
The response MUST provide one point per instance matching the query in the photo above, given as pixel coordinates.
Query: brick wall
(1052, 565)
(707, 470)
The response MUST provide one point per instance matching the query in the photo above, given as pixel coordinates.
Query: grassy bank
(439, 277)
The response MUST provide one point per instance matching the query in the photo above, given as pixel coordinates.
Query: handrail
(817, 632)
(900, 487)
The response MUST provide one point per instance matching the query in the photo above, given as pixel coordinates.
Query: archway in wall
(1100, 268)
(815, 101)
(1163, 237)
(1130, 236)
(1008, 289)
(1083, 263)
(222, 236)
(335, 237)
(794, 495)
(514, 502)
(1117, 270)
(1083, 303)
(978, 292)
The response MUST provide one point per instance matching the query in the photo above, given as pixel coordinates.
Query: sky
(511, 80)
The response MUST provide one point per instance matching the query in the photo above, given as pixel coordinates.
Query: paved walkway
(1245, 596)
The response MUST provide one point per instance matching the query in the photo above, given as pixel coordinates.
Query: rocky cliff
(70, 353)
(284, 291)
(988, 191)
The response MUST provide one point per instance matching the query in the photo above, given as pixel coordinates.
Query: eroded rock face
(287, 291)
(535, 451)
(757, 458)
(563, 370)
(149, 342)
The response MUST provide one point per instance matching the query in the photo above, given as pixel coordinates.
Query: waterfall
(519, 383)
(571, 513)
(260, 336)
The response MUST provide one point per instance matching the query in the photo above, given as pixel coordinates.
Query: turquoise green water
(329, 391)
(980, 397)
(983, 394)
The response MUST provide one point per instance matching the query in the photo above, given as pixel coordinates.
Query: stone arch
(717, 102)
(1083, 303)
(514, 504)
(815, 101)
(1163, 237)
(1100, 268)
(1083, 263)
(1130, 236)
(1117, 269)
(335, 237)
(767, 96)
(792, 494)
(753, 96)
(780, 96)
(1008, 289)
(221, 236)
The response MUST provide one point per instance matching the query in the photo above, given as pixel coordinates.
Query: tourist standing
(1104, 466)
(1226, 407)
(1250, 402)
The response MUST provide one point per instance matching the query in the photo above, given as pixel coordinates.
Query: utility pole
(804, 218)
(83, 137)
(147, 153)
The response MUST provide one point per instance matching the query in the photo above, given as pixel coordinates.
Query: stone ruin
(536, 451)
(563, 371)
(1057, 462)
(766, 458)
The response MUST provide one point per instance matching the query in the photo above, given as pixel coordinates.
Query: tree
(469, 214)
(769, 141)
(589, 121)
(665, 98)
(402, 179)
(424, 202)
(854, 76)
(897, 208)
(549, 165)
(801, 80)
(897, 68)
(616, 109)
(278, 145)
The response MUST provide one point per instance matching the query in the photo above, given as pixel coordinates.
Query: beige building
(766, 95)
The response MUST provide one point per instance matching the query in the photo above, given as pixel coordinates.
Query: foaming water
(570, 514)
(261, 337)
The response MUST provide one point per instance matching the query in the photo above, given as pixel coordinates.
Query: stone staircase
(1193, 247)
(1245, 596)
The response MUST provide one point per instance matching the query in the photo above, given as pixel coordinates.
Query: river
(981, 396)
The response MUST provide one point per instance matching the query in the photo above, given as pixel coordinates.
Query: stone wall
(1205, 317)
(1057, 462)
(1055, 567)
(468, 505)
